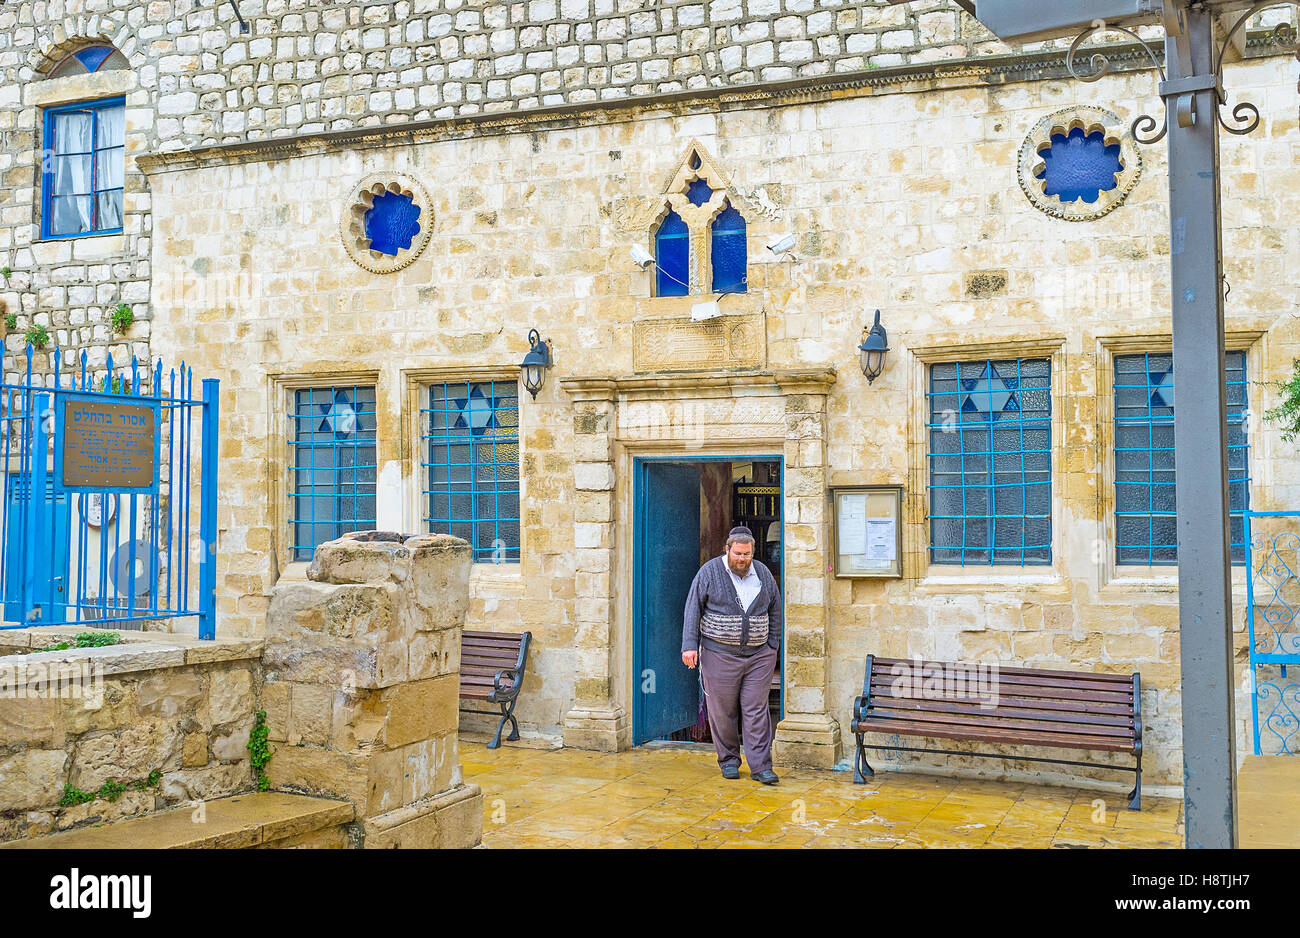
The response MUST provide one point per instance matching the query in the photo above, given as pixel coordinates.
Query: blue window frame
(990, 462)
(729, 251)
(472, 468)
(334, 465)
(1145, 525)
(82, 170)
(672, 257)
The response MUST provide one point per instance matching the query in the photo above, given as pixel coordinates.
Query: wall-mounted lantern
(873, 348)
(536, 363)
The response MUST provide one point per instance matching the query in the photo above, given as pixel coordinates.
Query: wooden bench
(492, 666)
(1012, 706)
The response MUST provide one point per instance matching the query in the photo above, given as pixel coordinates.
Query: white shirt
(748, 587)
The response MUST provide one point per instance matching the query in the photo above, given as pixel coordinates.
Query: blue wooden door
(50, 569)
(669, 548)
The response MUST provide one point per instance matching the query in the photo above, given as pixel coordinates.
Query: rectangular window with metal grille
(471, 436)
(990, 462)
(1145, 531)
(334, 465)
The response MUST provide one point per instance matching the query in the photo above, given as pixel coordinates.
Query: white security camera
(703, 312)
(641, 257)
(782, 245)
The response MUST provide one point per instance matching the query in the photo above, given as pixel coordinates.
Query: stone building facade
(541, 141)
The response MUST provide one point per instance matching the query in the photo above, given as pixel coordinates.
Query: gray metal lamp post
(1193, 94)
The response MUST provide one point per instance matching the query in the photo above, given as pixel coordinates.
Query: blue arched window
(729, 254)
(672, 257)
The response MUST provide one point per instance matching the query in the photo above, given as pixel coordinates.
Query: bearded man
(732, 631)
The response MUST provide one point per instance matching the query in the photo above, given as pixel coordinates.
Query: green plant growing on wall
(122, 319)
(111, 790)
(88, 640)
(260, 755)
(74, 796)
(11, 321)
(38, 337)
(5, 271)
(1286, 415)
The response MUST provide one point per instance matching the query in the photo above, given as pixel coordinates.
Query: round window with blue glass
(1076, 165)
(387, 222)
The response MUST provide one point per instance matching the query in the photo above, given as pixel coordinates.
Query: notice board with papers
(868, 530)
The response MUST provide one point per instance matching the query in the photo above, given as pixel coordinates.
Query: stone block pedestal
(362, 686)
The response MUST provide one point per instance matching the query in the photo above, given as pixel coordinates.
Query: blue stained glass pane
(672, 256)
(472, 467)
(1144, 458)
(1078, 166)
(93, 57)
(990, 463)
(391, 224)
(729, 252)
(699, 192)
(334, 468)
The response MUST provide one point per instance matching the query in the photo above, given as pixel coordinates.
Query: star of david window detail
(990, 393)
(340, 417)
(476, 412)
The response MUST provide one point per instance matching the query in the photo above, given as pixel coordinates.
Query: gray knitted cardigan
(715, 620)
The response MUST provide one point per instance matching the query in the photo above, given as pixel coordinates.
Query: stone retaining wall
(178, 707)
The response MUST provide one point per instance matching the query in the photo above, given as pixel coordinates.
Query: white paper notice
(881, 539)
(852, 522)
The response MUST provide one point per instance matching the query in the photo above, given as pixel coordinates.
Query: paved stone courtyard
(676, 798)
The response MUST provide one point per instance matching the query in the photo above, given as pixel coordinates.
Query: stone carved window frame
(976, 578)
(1088, 119)
(279, 462)
(359, 198)
(1124, 579)
(698, 218)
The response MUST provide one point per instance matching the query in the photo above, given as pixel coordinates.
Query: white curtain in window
(72, 132)
(110, 127)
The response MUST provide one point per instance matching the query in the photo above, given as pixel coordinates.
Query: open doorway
(683, 510)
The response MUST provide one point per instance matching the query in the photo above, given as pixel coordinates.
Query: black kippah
(742, 530)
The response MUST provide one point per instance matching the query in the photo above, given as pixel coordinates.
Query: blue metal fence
(1273, 620)
(138, 563)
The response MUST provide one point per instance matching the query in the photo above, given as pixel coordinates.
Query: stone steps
(264, 819)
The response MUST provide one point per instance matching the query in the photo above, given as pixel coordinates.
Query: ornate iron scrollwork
(1245, 115)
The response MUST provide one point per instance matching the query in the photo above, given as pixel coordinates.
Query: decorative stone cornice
(699, 384)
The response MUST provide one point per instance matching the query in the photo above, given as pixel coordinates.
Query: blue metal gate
(119, 555)
(1273, 618)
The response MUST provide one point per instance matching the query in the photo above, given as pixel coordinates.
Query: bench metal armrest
(860, 707)
(505, 693)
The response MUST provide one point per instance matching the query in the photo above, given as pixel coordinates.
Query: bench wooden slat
(1061, 741)
(1003, 710)
(1007, 680)
(979, 722)
(885, 688)
(1124, 679)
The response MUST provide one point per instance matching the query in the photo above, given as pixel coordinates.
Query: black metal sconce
(873, 348)
(536, 363)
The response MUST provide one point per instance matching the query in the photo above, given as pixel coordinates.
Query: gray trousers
(737, 689)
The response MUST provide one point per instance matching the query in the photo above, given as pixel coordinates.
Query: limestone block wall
(84, 717)
(362, 686)
(305, 67)
(906, 202)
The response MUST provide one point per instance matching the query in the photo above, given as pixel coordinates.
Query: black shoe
(767, 777)
(730, 770)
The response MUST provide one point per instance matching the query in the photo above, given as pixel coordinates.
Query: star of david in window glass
(990, 393)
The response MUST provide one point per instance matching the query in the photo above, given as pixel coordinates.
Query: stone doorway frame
(697, 414)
